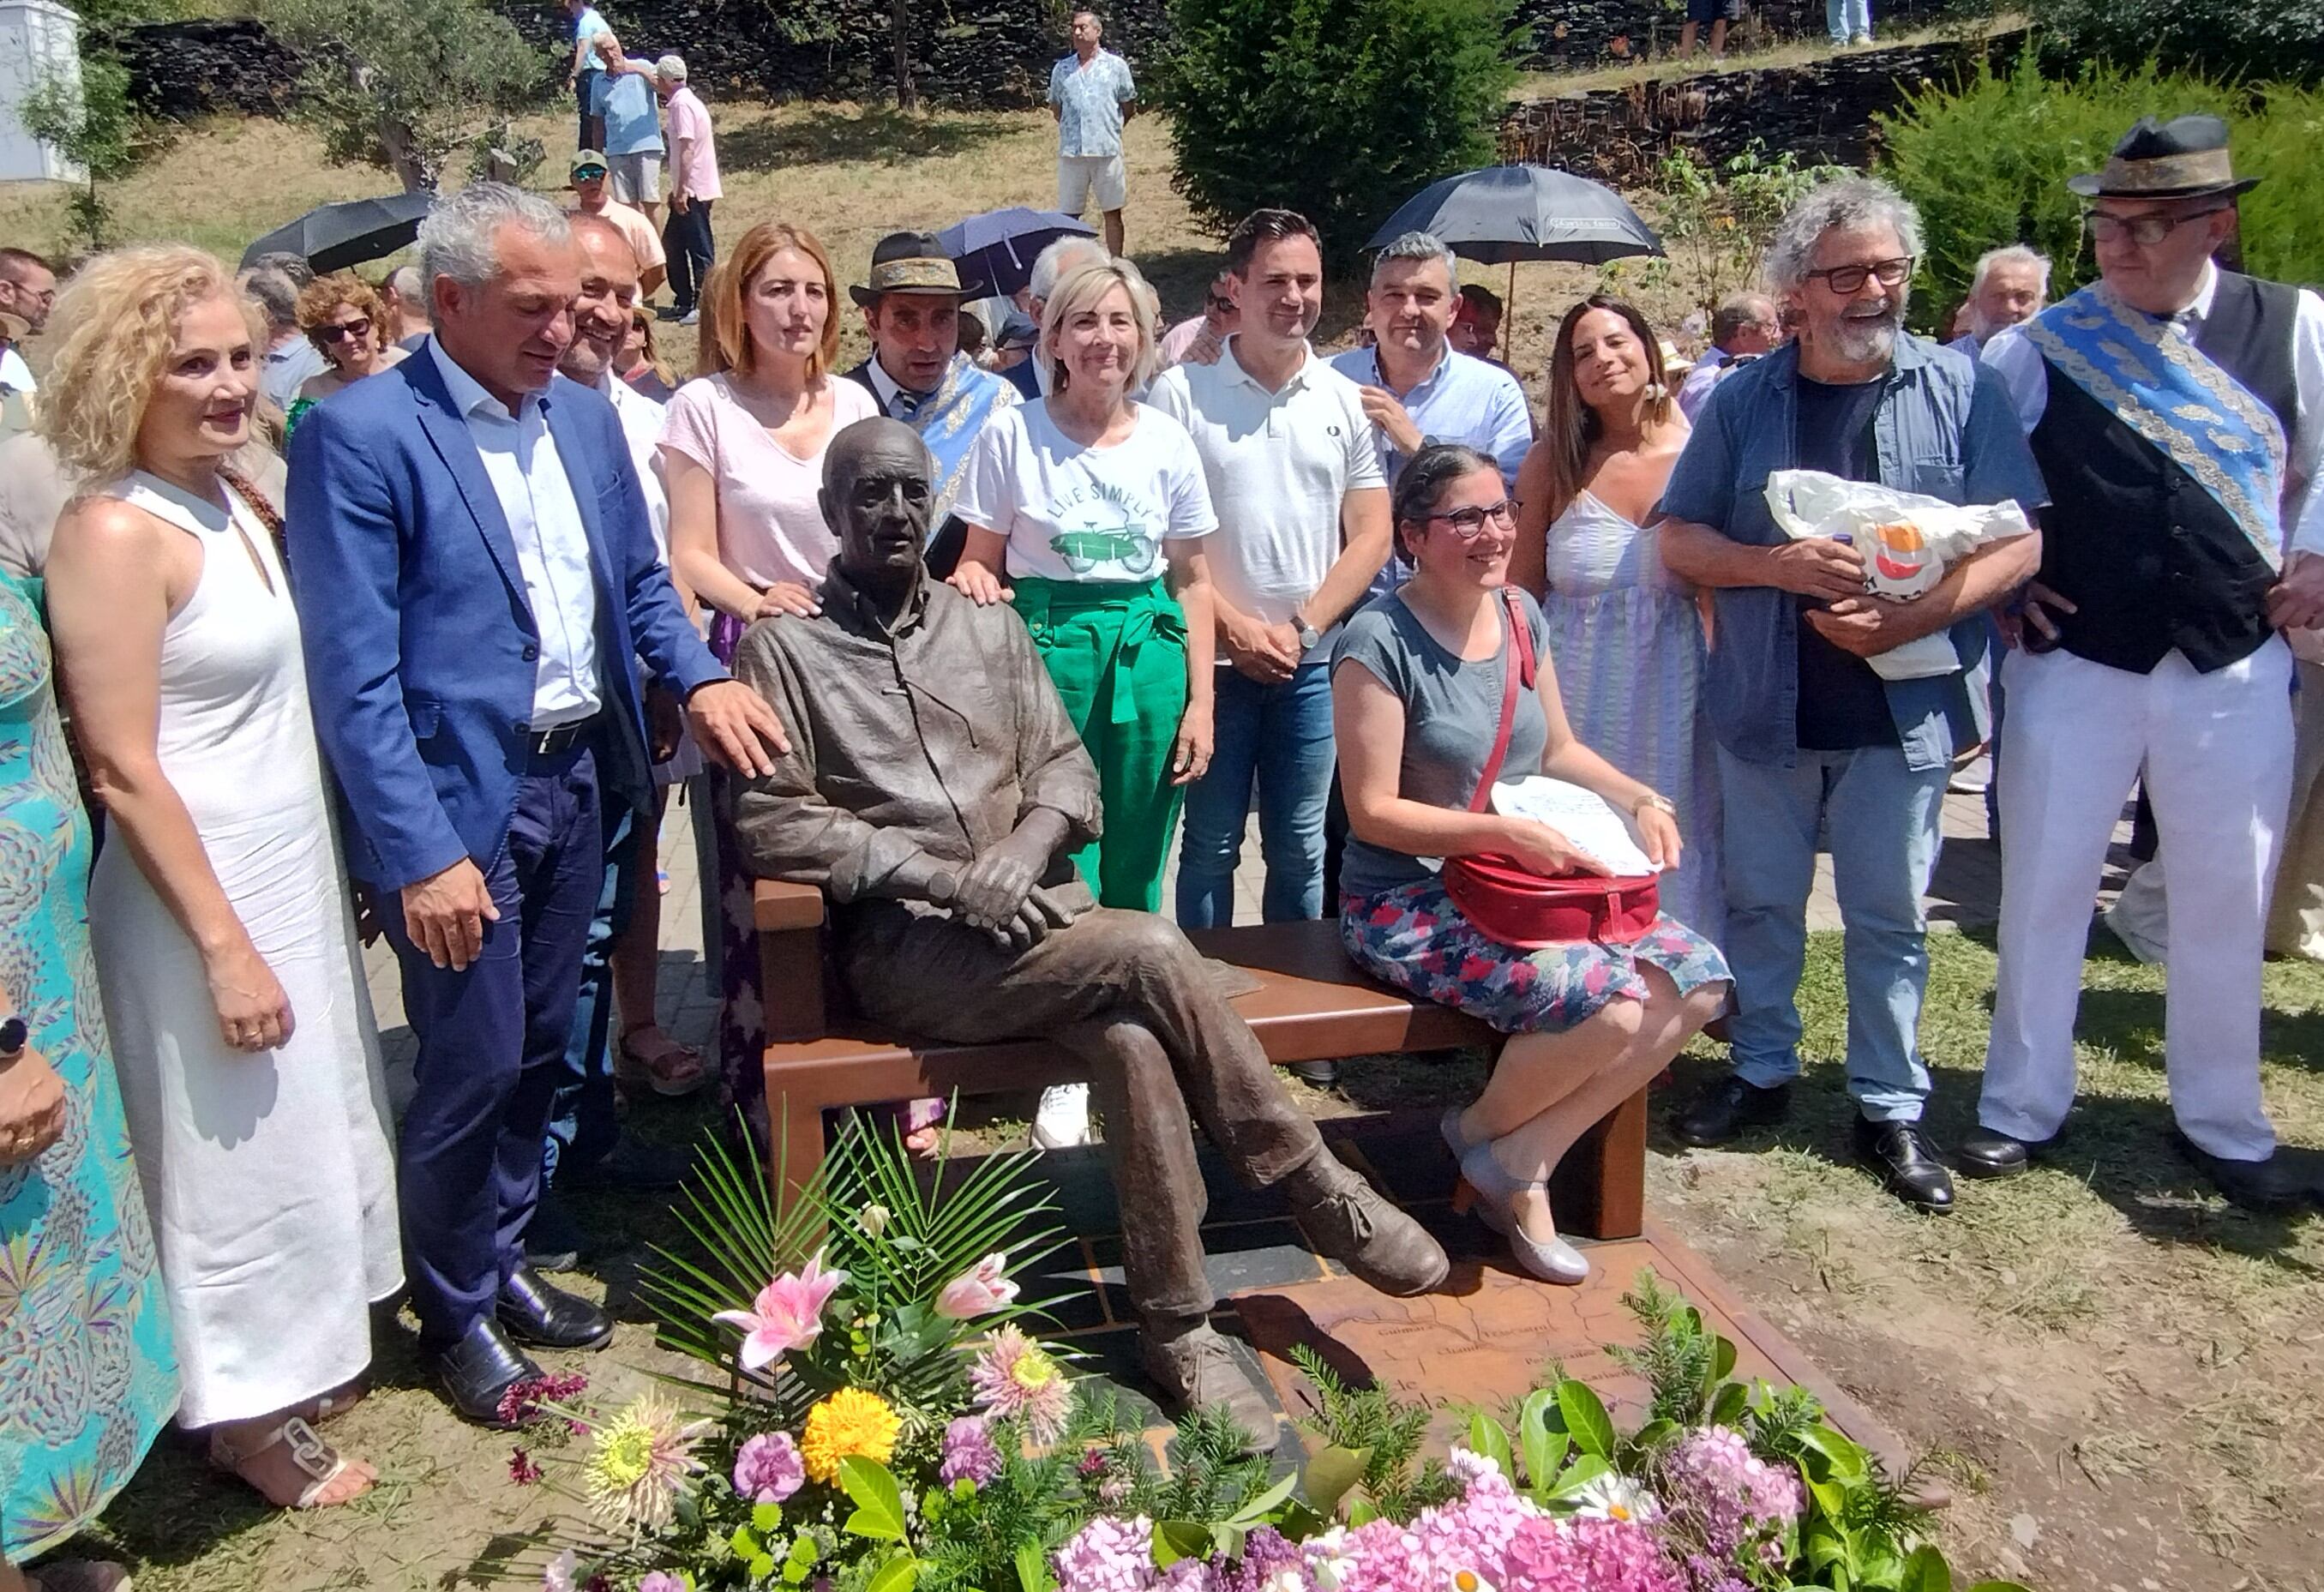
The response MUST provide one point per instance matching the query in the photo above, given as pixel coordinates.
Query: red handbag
(1510, 902)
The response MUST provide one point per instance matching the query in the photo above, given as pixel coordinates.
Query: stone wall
(990, 52)
(1821, 111)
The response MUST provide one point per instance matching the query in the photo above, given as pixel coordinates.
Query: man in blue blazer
(477, 582)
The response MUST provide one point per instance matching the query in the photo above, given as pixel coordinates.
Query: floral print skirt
(1414, 937)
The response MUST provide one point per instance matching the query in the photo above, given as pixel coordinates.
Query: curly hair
(325, 296)
(114, 327)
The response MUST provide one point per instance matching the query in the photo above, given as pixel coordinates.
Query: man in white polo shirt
(1303, 528)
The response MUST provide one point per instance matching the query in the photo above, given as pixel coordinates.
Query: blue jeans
(1882, 818)
(1846, 19)
(582, 1122)
(1282, 733)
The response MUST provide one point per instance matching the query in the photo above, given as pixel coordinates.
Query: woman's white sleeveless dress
(269, 1175)
(1629, 651)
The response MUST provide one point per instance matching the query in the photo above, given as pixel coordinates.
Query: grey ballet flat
(1556, 1261)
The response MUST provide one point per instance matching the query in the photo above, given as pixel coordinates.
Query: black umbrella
(995, 251)
(349, 232)
(1500, 214)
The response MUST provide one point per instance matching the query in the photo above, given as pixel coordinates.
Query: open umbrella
(335, 236)
(995, 251)
(1499, 214)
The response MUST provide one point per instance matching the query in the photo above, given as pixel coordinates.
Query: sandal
(78, 1574)
(322, 1464)
(671, 1070)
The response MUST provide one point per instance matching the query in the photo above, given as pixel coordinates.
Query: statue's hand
(990, 893)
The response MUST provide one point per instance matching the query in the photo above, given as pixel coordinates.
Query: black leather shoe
(1726, 1108)
(478, 1369)
(1319, 1075)
(1986, 1153)
(1907, 1162)
(2272, 1185)
(535, 1311)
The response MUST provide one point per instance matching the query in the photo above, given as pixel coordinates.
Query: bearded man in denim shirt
(1809, 737)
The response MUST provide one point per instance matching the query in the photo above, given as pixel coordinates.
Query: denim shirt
(1945, 429)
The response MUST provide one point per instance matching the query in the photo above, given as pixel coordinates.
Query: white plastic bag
(1908, 542)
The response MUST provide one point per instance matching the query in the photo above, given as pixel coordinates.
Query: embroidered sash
(2149, 373)
(949, 421)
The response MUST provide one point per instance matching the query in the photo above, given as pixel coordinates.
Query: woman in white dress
(1627, 636)
(243, 1034)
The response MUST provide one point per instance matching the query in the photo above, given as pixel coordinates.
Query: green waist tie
(1137, 612)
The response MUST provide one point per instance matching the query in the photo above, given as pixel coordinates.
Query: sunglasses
(358, 327)
(2145, 230)
(1847, 278)
(1467, 523)
(589, 174)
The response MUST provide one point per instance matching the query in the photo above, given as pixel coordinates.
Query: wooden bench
(1312, 1005)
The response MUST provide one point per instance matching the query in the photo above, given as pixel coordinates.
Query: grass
(1657, 57)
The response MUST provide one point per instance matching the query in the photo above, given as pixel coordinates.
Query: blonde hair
(727, 343)
(1080, 288)
(114, 328)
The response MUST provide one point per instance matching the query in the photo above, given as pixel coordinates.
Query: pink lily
(978, 1291)
(787, 1314)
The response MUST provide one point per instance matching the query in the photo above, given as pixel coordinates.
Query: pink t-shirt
(768, 527)
(694, 158)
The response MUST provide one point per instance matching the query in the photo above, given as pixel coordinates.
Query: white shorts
(1083, 177)
(636, 178)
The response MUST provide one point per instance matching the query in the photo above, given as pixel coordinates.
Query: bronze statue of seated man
(934, 790)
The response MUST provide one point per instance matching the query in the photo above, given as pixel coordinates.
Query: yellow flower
(850, 1422)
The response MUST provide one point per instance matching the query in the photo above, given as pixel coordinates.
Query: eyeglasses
(2143, 230)
(1468, 521)
(1847, 278)
(358, 327)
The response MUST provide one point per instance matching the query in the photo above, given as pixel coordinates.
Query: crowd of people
(402, 608)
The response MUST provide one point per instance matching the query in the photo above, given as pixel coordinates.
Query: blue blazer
(419, 640)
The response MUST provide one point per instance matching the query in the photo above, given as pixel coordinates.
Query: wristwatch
(943, 884)
(1308, 634)
(1657, 801)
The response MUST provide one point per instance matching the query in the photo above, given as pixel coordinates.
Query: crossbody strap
(1517, 669)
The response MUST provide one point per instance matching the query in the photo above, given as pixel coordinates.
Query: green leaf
(1332, 1472)
(1257, 1511)
(1926, 1571)
(1174, 1540)
(1586, 1419)
(879, 1501)
(1033, 1568)
(1486, 1438)
(1852, 1465)
(1544, 1447)
(1299, 1521)
(900, 1574)
(1362, 1512)
(1579, 1475)
(1723, 1359)
(1727, 1407)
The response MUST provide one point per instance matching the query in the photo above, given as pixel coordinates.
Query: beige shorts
(636, 178)
(1082, 178)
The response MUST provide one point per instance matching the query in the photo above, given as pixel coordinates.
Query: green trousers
(1117, 650)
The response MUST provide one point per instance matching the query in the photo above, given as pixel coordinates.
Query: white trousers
(2217, 751)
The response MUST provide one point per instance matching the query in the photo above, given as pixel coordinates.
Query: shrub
(1988, 165)
(1340, 109)
(2232, 39)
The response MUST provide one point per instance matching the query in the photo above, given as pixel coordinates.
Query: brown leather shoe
(1347, 1221)
(1195, 1369)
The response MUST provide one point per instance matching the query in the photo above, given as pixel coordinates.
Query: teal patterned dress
(86, 1373)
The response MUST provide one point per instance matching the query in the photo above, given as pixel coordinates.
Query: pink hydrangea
(768, 1468)
(660, 1580)
(1597, 1555)
(1732, 1502)
(1108, 1555)
(970, 1454)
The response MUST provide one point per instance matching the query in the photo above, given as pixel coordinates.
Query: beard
(1863, 339)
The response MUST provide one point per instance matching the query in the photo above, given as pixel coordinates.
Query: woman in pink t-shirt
(743, 449)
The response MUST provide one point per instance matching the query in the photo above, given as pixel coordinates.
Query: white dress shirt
(889, 390)
(2013, 353)
(13, 372)
(552, 546)
(641, 421)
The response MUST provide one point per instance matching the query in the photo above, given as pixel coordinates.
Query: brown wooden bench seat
(1313, 1004)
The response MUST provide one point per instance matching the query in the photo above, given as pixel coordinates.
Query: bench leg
(1600, 1190)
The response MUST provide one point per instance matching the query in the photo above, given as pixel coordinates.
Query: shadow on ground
(830, 135)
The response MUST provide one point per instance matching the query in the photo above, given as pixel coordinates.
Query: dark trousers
(582, 1120)
(584, 100)
(686, 239)
(493, 1040)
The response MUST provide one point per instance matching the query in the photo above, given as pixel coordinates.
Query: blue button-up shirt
(1464, 400)
(1088, 101)
(1944, 427)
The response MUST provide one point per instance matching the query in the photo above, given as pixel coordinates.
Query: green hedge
(1988, 165)
(2252, 41)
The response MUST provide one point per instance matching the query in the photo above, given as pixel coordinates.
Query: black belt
(541, 743)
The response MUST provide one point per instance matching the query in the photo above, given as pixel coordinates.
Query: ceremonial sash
(2150, 375)
(948, 421)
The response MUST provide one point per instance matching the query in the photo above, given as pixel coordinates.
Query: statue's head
(877, 491)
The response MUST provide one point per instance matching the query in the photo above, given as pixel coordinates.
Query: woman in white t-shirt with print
(1087, 510)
